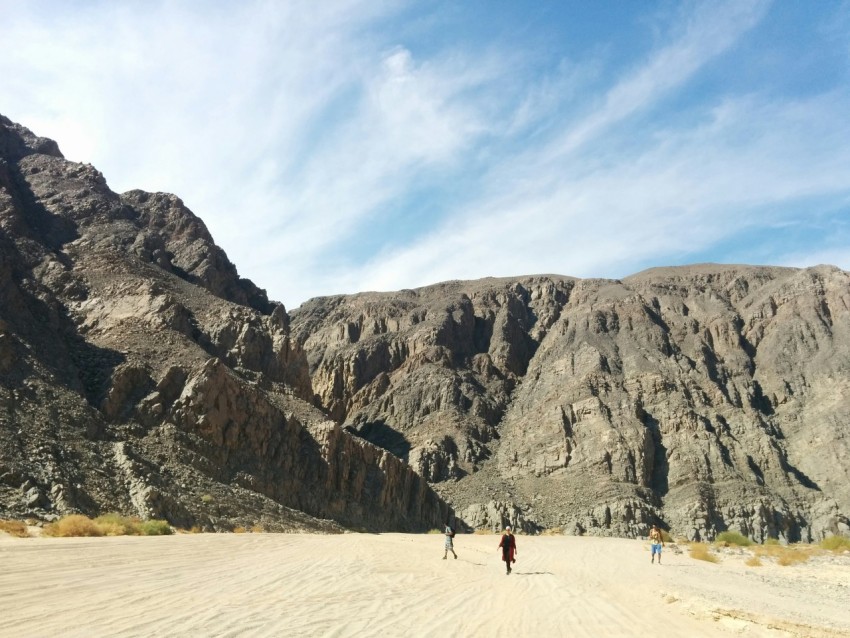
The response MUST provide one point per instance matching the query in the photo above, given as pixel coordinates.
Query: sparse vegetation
(785, 555)
(836, 544)
(258, 529)
(552, 531)
(753, 561)
(14, 528)
(73, 525)
(771, 541)
(733, 538)
(111, 524)
(156, 528)
(701, 551)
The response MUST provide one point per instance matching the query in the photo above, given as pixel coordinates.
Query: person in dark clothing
(508, 547)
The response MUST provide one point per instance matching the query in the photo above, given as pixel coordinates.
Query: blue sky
(342, 146)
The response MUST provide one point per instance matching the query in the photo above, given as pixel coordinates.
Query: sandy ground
(398, 585)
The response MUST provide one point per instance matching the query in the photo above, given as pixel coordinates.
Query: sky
(345, 145)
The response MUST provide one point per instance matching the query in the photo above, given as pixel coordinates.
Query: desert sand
(399, 585)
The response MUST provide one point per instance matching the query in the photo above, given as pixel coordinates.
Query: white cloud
(295, 129)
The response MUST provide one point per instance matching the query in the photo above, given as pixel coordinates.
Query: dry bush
(771, 541)
(552, 531)
(701, 551)
(836, 544)
(484, 531)
(73, 525)
(239, 530)
(14, 528)
(666, 537)
(785, 555)
(258, 529)
(753, 561)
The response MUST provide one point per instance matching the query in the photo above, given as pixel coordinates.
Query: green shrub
(156, 528)
(771, 541)
(733, 538)
(113, 524)
(836, 543)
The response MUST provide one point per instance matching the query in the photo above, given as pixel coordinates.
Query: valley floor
(398, 585)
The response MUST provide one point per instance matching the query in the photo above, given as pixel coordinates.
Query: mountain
(139, 373)
(707, 397)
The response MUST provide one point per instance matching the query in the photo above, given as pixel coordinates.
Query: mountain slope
(140, 373)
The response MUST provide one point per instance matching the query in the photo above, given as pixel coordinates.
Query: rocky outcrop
(705, 397)
(140, 373)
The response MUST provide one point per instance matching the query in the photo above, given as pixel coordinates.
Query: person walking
(657, 542)
(508, 547)
(450, 547)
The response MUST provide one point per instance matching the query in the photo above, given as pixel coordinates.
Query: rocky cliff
(140, 373)
(707, 397)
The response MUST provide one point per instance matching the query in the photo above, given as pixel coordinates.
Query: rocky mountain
(707, 397)
(139, 373)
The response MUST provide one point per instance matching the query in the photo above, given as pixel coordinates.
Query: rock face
(706, 397)
(139, 373)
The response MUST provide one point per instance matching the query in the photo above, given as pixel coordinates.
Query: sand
(398, 585)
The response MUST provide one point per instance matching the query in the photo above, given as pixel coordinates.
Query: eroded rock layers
(706, 397)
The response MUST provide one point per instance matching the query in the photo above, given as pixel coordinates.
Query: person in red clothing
(508, 547)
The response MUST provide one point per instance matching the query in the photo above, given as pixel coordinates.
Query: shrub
(207, 498)
(666, 537)
(73, 525)
(753, 561)
(836, 543)
(258, 529)
(771, 541)
(156, 528)
(239, 530)
(14, 528)
(733, 538)
(700, 551)
(785, 555)
(791, 556)
(113, 524)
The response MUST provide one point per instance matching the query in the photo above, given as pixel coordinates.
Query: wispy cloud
(328, 154)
